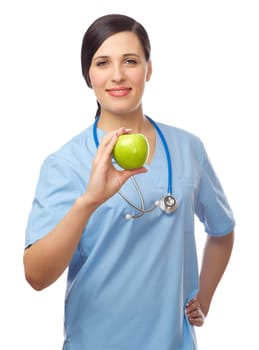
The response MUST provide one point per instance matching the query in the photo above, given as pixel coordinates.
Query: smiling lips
(119, 91)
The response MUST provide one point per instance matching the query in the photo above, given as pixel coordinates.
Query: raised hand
(105, 180)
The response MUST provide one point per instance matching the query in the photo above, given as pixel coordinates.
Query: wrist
(204, 304)
(85, 203)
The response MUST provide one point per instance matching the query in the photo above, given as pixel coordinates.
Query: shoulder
(73, 154)
(180, 136)
(174, 131)
(75, 144)
(185, 145)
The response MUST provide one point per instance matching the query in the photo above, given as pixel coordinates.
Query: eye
(131, 61)
(101, 63)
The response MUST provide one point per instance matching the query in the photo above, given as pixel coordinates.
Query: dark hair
(101, 29)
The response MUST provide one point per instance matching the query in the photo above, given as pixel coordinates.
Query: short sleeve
(57, 189)
(212, 206)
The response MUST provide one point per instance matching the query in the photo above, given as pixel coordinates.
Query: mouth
(119, 91)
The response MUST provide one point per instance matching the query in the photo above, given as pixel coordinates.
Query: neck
(135, 121)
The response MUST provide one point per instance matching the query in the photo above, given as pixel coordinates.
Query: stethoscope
(167, 203)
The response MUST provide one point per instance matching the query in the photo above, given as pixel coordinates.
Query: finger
(108, 141)
(110, 138)
(192, 301)
(192, 305)
(195, 315)
(198, 321)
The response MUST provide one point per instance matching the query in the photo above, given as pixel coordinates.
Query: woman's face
(118, 73)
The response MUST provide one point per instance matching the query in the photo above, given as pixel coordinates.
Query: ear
(149, 71)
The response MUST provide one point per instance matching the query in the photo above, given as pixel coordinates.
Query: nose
(117, 73)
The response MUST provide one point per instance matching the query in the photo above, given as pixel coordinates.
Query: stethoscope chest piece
(167, 204)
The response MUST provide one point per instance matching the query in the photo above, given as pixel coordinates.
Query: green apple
(131, 151)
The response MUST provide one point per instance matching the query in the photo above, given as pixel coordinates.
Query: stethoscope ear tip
(128, 217)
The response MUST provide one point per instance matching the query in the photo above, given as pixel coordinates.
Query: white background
(206, 80)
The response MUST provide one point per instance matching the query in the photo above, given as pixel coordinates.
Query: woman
(132, 284)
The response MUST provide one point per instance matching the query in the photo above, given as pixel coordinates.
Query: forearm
(48, 258)
(216, 256)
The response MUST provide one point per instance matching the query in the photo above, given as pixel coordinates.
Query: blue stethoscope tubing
(167, 153)
(168, 203)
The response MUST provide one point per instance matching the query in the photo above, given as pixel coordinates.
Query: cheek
(138, 78)
(98, 79)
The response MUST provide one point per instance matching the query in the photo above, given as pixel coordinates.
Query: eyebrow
(124, 55)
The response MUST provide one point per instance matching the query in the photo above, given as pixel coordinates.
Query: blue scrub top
(129, 281)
